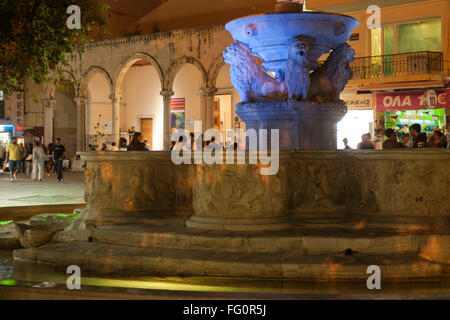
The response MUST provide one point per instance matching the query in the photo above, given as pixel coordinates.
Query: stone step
(178, 237)
(106, 259)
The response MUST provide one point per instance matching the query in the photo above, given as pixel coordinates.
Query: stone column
(48, 106)
(81, 125)
(115, 99)
(167, 96)
(208, 107)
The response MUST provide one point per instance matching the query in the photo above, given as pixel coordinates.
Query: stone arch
(128, 61)
(214, 71)
(73, 80)
(177, 65)
(89, 73)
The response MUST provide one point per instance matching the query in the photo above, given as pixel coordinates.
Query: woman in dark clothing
(419, 138)
(136, 144)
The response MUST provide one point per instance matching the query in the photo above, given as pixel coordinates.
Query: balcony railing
(394, 65)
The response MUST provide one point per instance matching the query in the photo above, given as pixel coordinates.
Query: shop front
(429, 108)
(358, 120)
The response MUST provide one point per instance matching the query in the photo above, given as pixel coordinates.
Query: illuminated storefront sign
(357, 101)
(413, 100)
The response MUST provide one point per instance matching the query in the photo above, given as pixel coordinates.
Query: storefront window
(407, 37)
(354, 124)
(429, 119)
(388, 40)
(419, 36)
(389, 49)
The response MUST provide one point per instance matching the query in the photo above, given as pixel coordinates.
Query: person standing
(23, 153)
(39, 157)
(59, 151)
(28, 158)
(131, 133)
(14, 157)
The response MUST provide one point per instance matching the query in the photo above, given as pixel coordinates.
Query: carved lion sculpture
(250, 79)
(298, 68)
(328, 81)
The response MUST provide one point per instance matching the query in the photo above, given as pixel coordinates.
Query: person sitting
(406, 141)
(181, 145)
(419, 138)
(437, 140)
(136, 144)
(346, 146)
(213, 145)
(114, 147)
(122, 144)
(366, 142)
(391, 141)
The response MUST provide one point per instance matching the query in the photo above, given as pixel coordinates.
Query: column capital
(48, 103)
(208, 91)
(79, 101)
(167, 93)
(115, 97)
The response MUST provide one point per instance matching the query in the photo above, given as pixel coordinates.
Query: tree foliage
(35, 40)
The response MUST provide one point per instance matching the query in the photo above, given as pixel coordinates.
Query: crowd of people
(415, 138)
(201, 144)
(137, 143)
(33, 159)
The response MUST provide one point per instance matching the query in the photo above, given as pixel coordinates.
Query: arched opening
(98, 110)
(186, 105)
(65, 118)
(225, 100)
(139, 85)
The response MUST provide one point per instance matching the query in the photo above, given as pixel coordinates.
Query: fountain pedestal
(301, 125)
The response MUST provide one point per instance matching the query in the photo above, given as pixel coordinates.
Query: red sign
(412, 100)
(177, 104)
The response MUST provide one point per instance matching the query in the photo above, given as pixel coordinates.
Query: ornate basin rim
(292, 13)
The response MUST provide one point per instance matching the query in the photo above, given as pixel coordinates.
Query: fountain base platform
(313, 249)
(379, 207)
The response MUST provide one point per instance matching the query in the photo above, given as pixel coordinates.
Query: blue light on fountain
(303, 92)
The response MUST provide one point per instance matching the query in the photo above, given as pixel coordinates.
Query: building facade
(159, 81)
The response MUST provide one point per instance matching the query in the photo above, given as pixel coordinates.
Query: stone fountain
(144, 214)
(291, 91)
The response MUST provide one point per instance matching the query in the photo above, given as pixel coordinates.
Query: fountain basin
(269, 36)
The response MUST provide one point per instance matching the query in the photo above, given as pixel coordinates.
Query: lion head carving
(330, 79)
(248, 77)
(300, 62)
